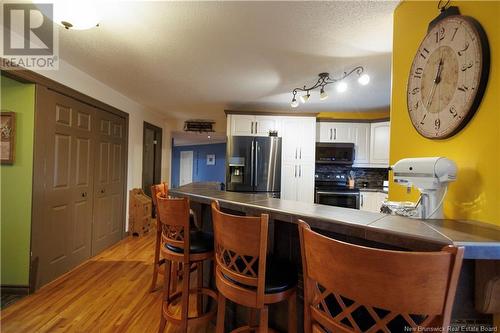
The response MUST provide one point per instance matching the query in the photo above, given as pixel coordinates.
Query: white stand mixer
(430, 175)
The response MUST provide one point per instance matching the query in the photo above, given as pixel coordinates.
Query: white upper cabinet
(379, 146)
(264, 124)
(361, 138)
(333, 132)
(248, 125)
(371, 141)
(299, 139)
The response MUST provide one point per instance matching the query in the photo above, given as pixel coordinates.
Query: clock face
(447, 77)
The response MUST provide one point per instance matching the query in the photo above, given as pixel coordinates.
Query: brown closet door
(109, 181)
(62, 236)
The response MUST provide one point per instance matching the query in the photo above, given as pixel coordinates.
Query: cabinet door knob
(103, 190)
(84, 194)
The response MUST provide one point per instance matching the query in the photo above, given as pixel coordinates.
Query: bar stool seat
(280, 275)
(200, 242)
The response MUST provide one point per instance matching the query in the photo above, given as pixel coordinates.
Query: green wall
(16, 185)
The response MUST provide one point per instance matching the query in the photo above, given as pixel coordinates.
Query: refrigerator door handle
(251, 128)
(256, 161)
(300, 171)
(252, 157)
(295, 171)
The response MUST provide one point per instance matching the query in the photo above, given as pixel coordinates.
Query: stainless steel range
(331, 188)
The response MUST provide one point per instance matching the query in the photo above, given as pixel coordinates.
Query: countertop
(481, 240)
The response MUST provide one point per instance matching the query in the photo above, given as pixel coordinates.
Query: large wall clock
(448, 75)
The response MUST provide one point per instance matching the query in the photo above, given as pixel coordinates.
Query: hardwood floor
(108, 293)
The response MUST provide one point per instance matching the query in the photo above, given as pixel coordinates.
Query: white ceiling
(195, 59)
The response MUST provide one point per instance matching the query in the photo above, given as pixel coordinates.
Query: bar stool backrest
(158, 188)
(240, 256)
(351, 288)
(174, 218)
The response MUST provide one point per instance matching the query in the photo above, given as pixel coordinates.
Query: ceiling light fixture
(341, 87)
(364, 79)
(76, 14)
(324, 80)
(305, 98)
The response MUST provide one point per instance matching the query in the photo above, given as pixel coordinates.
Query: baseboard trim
(14, 289)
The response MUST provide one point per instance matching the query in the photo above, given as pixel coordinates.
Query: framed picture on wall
(7, 136)
(210, 159)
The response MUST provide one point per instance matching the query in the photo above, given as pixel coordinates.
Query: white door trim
(186, 167)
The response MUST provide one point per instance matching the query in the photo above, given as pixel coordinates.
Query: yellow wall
(476, 149)
(382, 114)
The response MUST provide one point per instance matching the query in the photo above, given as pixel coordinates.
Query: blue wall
(201, 171)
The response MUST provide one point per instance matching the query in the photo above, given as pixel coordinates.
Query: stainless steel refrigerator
(253, 164)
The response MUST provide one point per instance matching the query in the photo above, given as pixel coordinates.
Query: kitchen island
(481, 240)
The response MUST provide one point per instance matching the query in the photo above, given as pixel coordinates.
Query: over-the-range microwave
(335, 153)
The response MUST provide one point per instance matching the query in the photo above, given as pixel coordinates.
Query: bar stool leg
(252, 317)
(199, 297)
(165, 296)
(263, 320)
(156, 261)
(292, 313)
(221, 314)
(185, 297)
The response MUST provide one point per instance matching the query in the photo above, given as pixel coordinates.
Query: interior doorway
(186, 168)
(151, 156)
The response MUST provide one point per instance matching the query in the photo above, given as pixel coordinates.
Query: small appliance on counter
(430, 175)
(253, 164)
(332, 188)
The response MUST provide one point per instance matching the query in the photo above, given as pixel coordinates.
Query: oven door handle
(337, 193)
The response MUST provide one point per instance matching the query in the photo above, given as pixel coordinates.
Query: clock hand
(436, 81)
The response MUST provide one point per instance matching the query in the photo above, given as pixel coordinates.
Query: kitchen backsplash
(373, 176)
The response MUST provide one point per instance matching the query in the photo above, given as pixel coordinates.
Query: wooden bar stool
(351, 288)
(181, 245)
(245, 274)
(158, 267)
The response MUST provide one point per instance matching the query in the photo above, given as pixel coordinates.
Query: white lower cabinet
(371, 201)
(297, 182)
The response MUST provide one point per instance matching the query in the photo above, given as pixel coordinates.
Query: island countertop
(481, 240)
